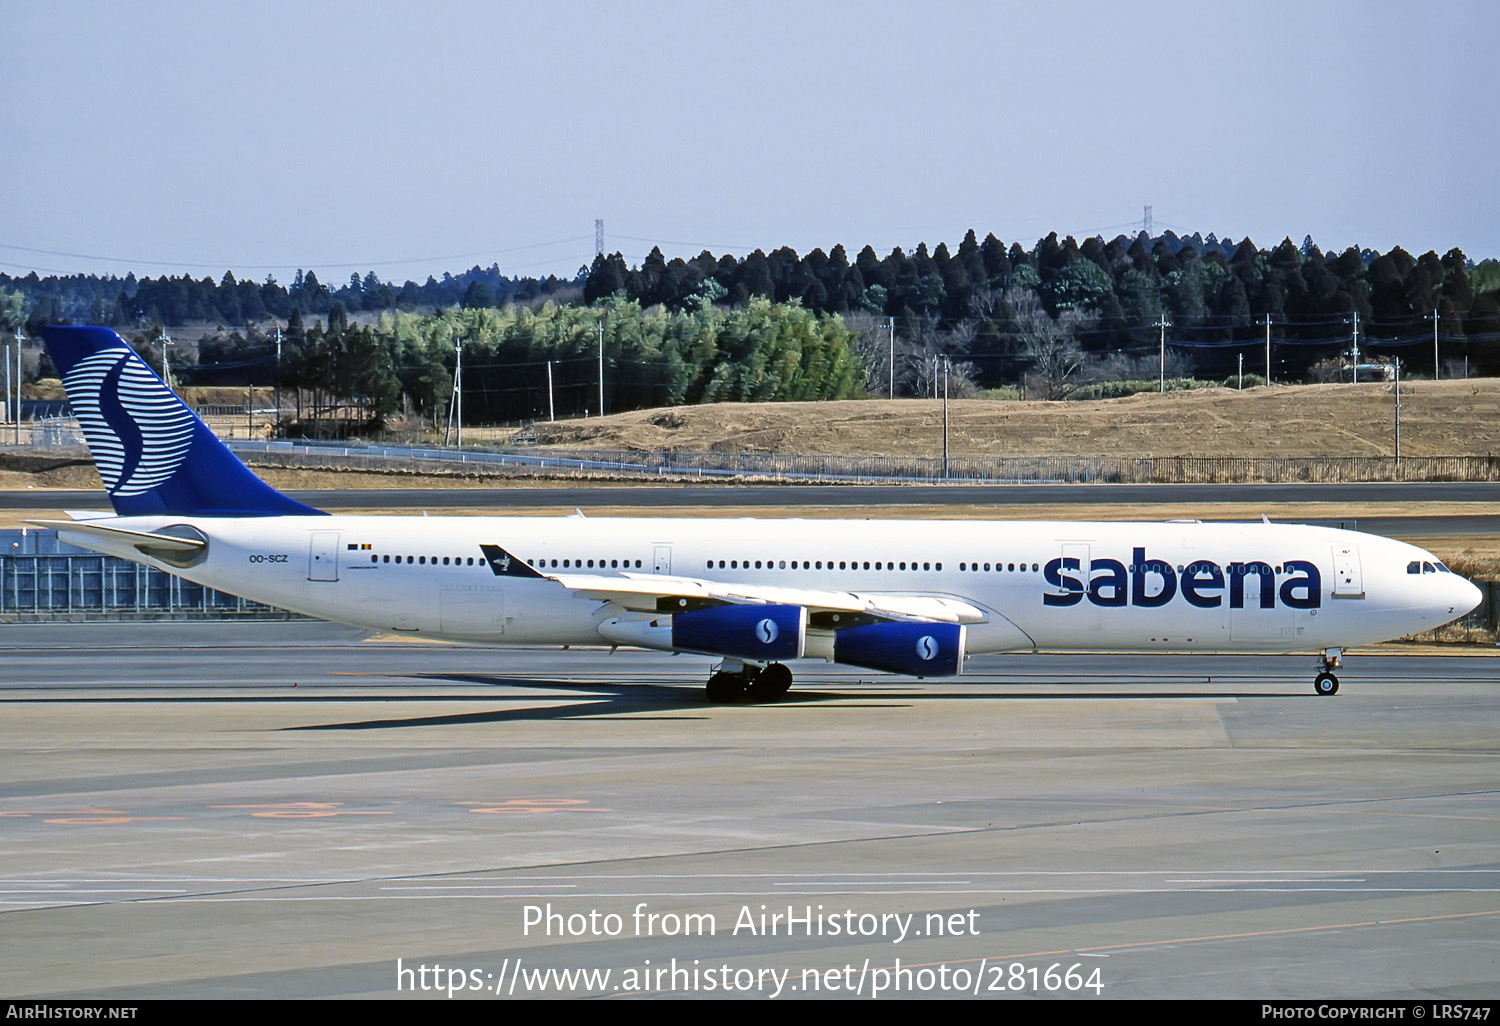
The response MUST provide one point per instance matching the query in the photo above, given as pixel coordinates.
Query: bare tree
(921, 369)
(872, 340)
(988, 304)
(1146, 367)
(1059, 366)
(918, 355)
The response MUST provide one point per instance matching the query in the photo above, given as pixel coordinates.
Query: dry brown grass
(1439, 418)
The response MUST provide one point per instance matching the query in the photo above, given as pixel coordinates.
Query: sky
(413, 139)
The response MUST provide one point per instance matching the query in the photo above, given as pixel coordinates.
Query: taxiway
(222, 811)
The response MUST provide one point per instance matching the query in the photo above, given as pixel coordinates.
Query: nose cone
(1464, 597)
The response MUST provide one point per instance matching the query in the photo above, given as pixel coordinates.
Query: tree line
(521, 363)
(1054, 316)
(176, 301)
(1112, 297)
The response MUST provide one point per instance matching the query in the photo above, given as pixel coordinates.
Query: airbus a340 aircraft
(910, 597)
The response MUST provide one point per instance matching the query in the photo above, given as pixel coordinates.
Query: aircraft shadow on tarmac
(678, 702)
(608, 698)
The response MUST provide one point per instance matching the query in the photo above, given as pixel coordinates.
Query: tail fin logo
(138, 431)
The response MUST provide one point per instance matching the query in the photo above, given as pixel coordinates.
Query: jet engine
(915, 649)
(758, 633)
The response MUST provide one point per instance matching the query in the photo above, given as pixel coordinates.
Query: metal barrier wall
(42, 578)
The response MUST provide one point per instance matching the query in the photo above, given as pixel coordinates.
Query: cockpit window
(1428, 568)
(1414, 567)
(1443, 569)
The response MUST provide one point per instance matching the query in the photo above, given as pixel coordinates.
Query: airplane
(908, 597)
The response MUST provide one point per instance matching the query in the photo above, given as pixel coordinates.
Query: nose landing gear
(1326, 683)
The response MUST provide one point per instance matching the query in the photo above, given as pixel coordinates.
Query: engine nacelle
(915, 649)
(757, 633)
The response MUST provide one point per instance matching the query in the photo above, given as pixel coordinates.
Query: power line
(289, 263)
(678, 242)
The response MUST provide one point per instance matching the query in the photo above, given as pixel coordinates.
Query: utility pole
(1437, 370)
(1163, 323)
(601, 368)
(456, 401)
(166, 363)
(1268, 349)
(1242, 372)
(892, 321)
(551, 410)
(1398, 416)
(278, 381)
(1355, 379)
(17, 378)
(945, 417)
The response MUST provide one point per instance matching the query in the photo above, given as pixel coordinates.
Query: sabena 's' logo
(137, 430)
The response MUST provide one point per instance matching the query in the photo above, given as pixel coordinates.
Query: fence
(42, 578)
(852, 469)
(665, 463)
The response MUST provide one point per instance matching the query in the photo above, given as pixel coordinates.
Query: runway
(228, 813)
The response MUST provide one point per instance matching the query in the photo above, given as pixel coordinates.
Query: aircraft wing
(655, 593)
(662, 593)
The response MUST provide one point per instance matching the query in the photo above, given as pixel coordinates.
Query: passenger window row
(427, 560)
(614, 564)
(818, 564)
(591, 564)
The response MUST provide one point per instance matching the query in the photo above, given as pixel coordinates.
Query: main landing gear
(1326, 683)
(746, 682)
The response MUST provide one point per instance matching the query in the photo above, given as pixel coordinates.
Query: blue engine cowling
(760, 633)
(915, 649)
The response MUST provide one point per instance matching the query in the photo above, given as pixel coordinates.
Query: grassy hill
(1438, 418)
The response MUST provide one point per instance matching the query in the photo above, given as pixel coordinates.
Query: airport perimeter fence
(45, 579)
(882, 469)
(63, 434)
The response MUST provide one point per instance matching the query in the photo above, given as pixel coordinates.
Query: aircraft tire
(1326, 684)
(724, 688)
(770, 684)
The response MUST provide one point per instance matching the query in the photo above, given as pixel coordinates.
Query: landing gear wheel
(1326, 684)
(770, 684)
(725, 687)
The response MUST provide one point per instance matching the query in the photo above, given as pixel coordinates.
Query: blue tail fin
(153, 453)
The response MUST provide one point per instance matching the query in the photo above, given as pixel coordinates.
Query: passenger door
(323, 556)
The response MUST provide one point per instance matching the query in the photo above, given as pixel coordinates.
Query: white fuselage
(1172, 586)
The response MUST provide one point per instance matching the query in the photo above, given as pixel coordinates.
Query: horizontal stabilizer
(170, 543)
